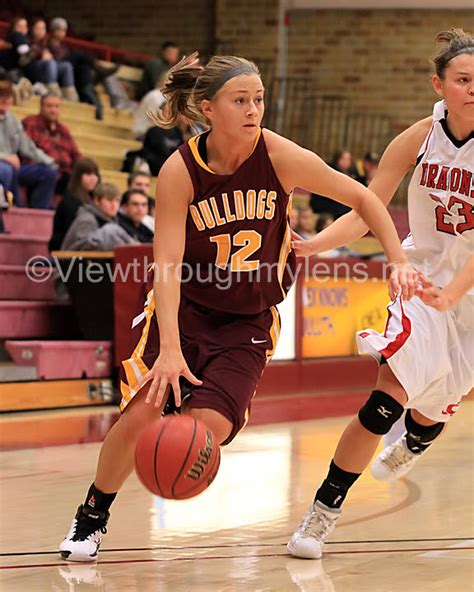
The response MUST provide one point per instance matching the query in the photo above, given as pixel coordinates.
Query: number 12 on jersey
(249, 242)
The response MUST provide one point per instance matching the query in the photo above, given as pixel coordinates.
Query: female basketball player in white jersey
(427, 349)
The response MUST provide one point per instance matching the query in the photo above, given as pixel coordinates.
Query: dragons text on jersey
(441, 202)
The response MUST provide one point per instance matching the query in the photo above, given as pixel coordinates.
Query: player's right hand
(403, 280)
(167, 369)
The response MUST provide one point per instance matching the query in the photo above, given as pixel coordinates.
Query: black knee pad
(379, 413)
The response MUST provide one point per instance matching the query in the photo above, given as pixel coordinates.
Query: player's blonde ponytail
(178, 91)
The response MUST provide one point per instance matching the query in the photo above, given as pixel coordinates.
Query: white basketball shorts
(431, 353)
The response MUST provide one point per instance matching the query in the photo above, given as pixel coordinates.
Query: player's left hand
(404, 279)
(301, 246)
(433, 296)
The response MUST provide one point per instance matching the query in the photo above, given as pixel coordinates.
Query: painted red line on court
(265, 555)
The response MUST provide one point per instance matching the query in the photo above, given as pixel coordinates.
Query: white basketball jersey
(441, 203)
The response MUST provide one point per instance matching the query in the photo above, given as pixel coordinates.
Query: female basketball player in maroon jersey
(427, 349)
(223, 261)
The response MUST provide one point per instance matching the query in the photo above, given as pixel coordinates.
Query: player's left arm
(298, 167)
(443, 299)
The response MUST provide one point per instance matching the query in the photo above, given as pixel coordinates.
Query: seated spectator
(84, 178)
(152, 101)
(139, 180)
(15, 49)
(113, 86)
(82, 64)
(39, 177)
(149, 219)
(154, 70)
(159, 144)
(95, 227)
(87, 71)
(58, 77)
(369, 167)
(132, 213)
(306, 224)
(342, 161)
(53, 138)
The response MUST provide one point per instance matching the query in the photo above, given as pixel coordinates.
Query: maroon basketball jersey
(238, 255)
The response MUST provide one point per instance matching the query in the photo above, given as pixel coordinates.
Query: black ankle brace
(98, 500)
(334, 488)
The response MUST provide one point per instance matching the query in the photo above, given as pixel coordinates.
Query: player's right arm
(399, 157)
(174, 193)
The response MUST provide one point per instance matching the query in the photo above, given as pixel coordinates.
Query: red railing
(98, 50)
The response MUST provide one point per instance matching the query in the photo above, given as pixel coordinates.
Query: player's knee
(219, 425)
(380, 412)
(387, 382)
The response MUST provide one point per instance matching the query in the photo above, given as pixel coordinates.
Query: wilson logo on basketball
(203, 459)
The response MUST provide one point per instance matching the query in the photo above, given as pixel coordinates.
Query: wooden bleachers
(104, 141)
(68, 372)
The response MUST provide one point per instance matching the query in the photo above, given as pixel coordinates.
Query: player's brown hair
(188, 83)
(457, 42)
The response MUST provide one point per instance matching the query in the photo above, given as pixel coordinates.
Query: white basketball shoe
(394, 461)
(85, 536)
(308, 540)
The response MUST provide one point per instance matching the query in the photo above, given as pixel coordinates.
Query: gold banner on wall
(334, 310)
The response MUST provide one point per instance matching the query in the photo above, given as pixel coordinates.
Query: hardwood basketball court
(414, 535)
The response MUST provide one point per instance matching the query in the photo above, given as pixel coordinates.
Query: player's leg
(116, 456)
(116, 460)
(353, 453)
(397, 459)
(219, 425)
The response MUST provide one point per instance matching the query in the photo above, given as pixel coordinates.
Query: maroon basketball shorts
(227, 352)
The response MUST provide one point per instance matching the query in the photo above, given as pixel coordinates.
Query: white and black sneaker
(308, 540)
(394, 461)
(83, 540)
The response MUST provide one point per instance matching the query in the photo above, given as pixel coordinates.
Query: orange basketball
(177, 457)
